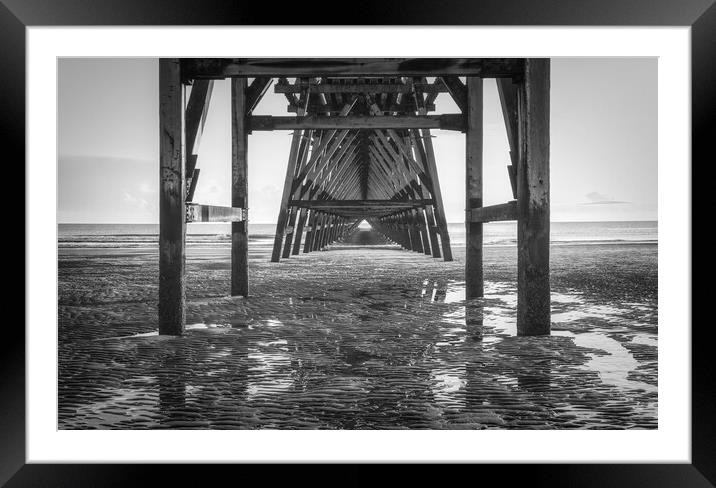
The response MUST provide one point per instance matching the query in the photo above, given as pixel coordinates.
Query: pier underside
(361, 150)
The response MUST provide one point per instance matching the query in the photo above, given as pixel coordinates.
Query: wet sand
(357, 337)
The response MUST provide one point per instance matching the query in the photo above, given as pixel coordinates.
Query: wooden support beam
(426, 154)
(219, 68)
(512, 174)
(458, 91)
(375, 88)
(322, 122)
(533, 226)
(239, 189)
(302, 214)
(172, 194)
(211, 213)
(423, 231)
(195, 118)
(493, 213)
(507, 91)
(414, 227)
(473, 182)
(255, 92)
(321, 229)
(192, 182)
(288, 233)
(403, 107)
(387, 204)
(292, 167)
(287, 190)
(425, 146)
(432, 231)
(310, 232)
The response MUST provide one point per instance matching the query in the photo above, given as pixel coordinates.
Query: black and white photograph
(357, 243)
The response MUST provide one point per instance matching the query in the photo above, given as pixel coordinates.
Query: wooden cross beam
(330, 108)
(219, 68)
(360, 88)
(493, 213)
(382, 204)
(321, 122)
(211, 213)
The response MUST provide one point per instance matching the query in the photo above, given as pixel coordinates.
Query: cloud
(138, 202)
(596, 198)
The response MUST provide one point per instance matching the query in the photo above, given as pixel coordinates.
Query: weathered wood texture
(360, 87)
(239, 189)
(255, 92)
(211, 213)
(424, 145)
(458, 91)
(395, 204)
(533, 289)
(322, 122)
(195, 118)
(302, 214)
(287, 187)
(507, 91)
(473, 186)
(313, 67)
(494, 213)
(172, 191)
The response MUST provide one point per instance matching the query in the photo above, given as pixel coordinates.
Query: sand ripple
(369, 338)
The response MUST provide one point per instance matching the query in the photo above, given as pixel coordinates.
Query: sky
(603, 144)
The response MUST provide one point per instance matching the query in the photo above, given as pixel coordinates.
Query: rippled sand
(368, 337)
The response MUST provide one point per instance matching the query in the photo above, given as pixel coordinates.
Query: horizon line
(274, 223)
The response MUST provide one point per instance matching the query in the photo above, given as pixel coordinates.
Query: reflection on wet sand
(398, 348)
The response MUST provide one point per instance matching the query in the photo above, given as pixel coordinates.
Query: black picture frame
(16, 15)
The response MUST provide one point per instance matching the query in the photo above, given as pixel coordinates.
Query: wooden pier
(361, 150)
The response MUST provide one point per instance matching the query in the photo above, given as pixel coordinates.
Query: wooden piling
(239, 189)
(473, 185)
(533, 226)
(431, 169)
(415, 231)
(286, 196)
(172, 194)
(302, 214)
(422, 225)
(432, 231)
(287, 246)
(311, 232)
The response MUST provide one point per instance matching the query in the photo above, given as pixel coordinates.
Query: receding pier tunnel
(361, 151)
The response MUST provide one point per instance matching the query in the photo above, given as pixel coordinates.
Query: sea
(209, 235)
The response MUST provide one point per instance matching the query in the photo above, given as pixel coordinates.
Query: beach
(357, 337)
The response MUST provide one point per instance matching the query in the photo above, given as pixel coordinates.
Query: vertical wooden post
(431, 169)
(239, 189)
(432, 231)
(318, 236)
(172, 194)
(329, 231)
(473, 186)
(288, 183)
(325, 225)
(533, 293)
(294, 211)
(310, 233)
(287, 246)
(423, 227)
(415, 231)
(302, 213)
